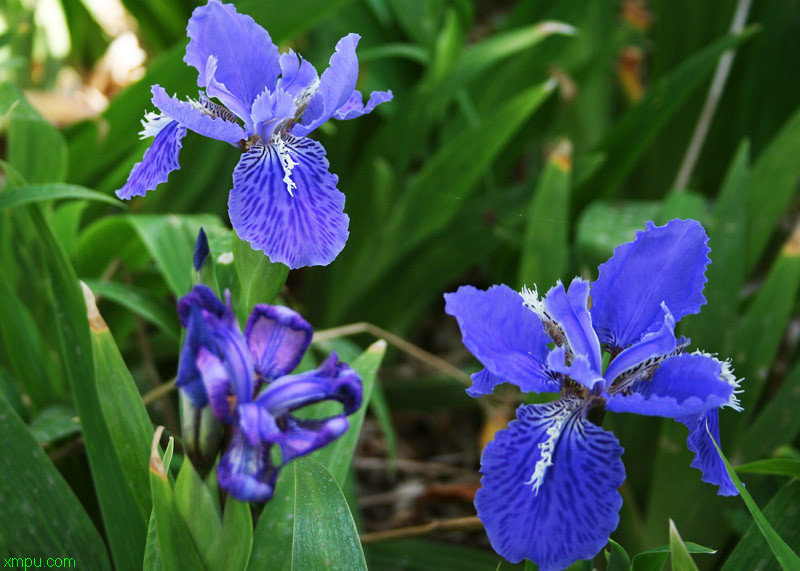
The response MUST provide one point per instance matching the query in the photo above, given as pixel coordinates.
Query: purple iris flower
(549, 486)
(284, 201)
(246, 381)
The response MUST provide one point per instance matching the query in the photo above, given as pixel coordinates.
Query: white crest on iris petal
(152, 124)
(287, 162)
(726, 374)
(548, 447)
(530, 298)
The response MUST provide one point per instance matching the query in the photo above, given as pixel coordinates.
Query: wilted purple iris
(549, 486)
(246, 381)
(284, 201)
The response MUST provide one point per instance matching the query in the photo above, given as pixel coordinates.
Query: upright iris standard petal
(245, 470)
(285, 202)
(566, 319)
(706, 457)
(505, 336)
(355, 105)
(158, 161)
(682, 385)
(217, 382)
(335, 86)
(297, 75)
(212, 327)
(664, 264)
(549, 486)
(278, 337)
(247, 59)
(196, 119)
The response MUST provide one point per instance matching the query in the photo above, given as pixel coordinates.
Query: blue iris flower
(549, 486)
(284, 200)
(246, 381)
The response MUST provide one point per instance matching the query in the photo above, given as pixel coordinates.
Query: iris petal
(645, 354)
(354, 107)
(336, 86)
(245, 471)
(682, 385)
(504, 335)
(566, 318)
(158, 161)
(706, 457)
(305, 228)
(278, 337)
(331, 381)
(195, 119)
(573, 509)
(664, 264)
(297, 74)
(247, 59)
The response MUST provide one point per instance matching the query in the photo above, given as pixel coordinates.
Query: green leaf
(654, 559)
(761, 328)
(681, 560)
(307, 524)
(782, 552)
(177, 548)
(260, 279)
(778, 422)
(773, 184)
(29, 194)
(544, 246)
(170, 240)
(125, 415)
(458, 165)
(338, 455)
(753, 551)
(775, 466)
(53, 423)
(41, 514)
(617, 557)
(231, 548)
(140, 301)
(152, 549)
(197, 509)
(28, 135)
(126, 527)
(727, 232)
(632, 135)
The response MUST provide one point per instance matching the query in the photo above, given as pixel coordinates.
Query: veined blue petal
(269, 109)
(217, 382)
(247, 59)
(303, 437)
(682, 385)
(212, 326)
(245, 471)
(297, 75)
(664, 264)
(549, 486)
(336, 86)
(158, 161)
(578, 369)
(354, 107)
(196, 119)
(285, 203)
(278, 337)
(566, 318)
(505, 336)
(331, 381)
(706, 457)
(644, 355)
